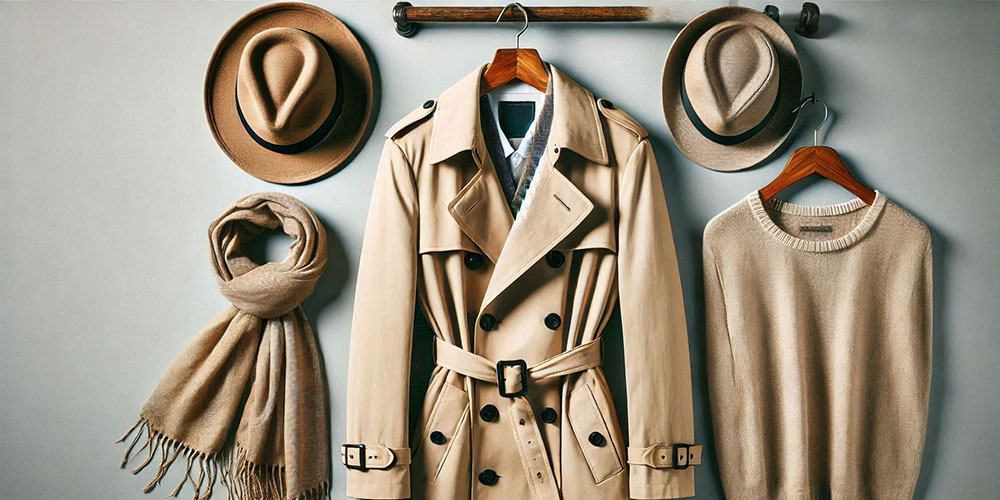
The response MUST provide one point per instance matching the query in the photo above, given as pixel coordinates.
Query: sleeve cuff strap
(372, 456)
(663, 456)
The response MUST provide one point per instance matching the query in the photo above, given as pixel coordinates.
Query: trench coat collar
(557, 205)
(576, 122)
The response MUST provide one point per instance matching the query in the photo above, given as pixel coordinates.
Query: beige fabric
(257, 361)
(594, 228)
(819, 348)
(735, 71)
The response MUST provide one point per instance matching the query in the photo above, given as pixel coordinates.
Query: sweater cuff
(647, 483)
(393, 483)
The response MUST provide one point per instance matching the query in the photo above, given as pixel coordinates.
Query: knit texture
(819, 348)
(245, 401)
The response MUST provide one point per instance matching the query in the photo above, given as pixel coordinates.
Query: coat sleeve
(381, 334)
(657, 364)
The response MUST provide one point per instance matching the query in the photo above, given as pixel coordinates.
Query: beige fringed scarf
(257, 362)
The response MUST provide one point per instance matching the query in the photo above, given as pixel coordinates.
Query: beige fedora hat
(288, 92)
(730, 84)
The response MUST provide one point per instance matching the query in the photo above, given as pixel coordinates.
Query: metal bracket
(405, 28)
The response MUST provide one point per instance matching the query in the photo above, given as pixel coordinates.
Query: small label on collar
(515, 117)
(816, 229)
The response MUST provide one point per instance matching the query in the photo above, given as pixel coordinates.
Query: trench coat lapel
(480, 208)
(555, 209)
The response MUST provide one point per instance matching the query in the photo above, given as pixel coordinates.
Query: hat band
(320, 133)
(726, 140)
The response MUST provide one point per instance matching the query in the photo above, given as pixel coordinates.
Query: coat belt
(512, 378)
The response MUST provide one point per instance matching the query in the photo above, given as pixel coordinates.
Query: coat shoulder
(413, 118)
(620, 118)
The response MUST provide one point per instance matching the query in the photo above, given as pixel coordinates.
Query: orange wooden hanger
(517, 63)
(816, 159)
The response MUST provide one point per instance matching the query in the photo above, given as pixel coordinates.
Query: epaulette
(414, 117)
(611, 112)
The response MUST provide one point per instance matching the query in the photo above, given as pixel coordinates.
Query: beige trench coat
(518, 406)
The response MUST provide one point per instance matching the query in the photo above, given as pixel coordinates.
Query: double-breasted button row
(488, 322)
(488, 477)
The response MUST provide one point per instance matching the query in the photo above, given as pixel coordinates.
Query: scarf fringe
(244, 479)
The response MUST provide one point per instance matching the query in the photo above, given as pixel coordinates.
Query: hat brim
(355, 76)
(758, 148)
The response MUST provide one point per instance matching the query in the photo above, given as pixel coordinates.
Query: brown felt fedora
(730, 84)
(288, 92)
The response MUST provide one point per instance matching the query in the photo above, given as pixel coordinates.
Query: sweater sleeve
(377, 453)
(657, 360)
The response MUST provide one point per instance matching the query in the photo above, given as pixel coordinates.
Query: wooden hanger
(816, 159)
(517, 63)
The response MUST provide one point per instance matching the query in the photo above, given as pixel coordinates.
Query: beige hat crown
(731, 81)
(731, 77)
(287, 89)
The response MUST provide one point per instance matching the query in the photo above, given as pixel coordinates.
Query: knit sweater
(819, 348)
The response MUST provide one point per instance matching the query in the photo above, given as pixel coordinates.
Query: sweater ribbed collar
(760, 208)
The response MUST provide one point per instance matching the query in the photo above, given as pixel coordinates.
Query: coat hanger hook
(517, 40)
(826, 114)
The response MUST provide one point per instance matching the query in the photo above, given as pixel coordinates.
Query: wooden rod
(407, 16)
(535, 14)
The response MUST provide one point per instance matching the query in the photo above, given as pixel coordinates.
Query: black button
(596, 438)
(555, 259)
(555, 149)
(607, 104)
(549, 415)
(473, 260)
(488, 477)
(552, 321)
(487, 322)
(437, 437)
(428, 103)
(489, 413)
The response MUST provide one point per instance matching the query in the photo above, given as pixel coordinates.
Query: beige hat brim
(692, 143)
(347, 132)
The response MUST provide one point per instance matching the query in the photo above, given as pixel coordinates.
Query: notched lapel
(481, 210)
(556, 208)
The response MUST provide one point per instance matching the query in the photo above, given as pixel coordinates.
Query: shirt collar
(522, 91)
(576, 123)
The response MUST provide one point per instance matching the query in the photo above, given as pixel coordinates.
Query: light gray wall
(109, 177)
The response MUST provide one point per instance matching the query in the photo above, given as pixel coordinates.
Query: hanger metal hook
(517, 40)
(826, 114)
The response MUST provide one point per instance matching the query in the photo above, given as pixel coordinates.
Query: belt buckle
(502, 379)
(361, 456)
(681, 451)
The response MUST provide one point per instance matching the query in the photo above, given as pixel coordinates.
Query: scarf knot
(273, 289)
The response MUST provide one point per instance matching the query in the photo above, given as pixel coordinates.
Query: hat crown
(286, 85)
(731, 77)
